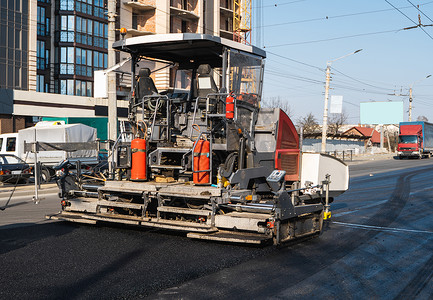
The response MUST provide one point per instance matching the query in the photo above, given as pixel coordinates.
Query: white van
(8, 143)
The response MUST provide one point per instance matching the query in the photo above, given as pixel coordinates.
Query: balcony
(138, 6)
(136, 32)
(226, 34)
(226, 11)
(183, 14)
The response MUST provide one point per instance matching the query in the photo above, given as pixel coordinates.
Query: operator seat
(205, 83)
(145, 84)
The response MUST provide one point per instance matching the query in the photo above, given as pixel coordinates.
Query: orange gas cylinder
(201, 162)
(138, 169)
(230, 106)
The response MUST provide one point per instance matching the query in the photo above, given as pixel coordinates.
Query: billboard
(386, 112)
(336, 104)
(100, 78)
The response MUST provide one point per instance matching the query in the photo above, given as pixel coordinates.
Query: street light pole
(411, 98)
(410, 104)
(325, 110)
(112, 97)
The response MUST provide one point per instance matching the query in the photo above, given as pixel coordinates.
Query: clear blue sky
(390, 62)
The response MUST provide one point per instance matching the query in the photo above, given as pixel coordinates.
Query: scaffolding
(242, 21)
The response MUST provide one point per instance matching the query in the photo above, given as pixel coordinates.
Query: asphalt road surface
(379, 245)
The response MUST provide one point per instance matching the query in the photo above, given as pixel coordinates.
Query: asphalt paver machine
(204, 157)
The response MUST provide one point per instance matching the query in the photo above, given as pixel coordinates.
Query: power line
(278, 64)
(335, 17)
(296, 61)
(333, 68)
(314, 81)
(420, 11)
(281, 4)
(300, 78)
(336, 38)
(416, 24)
(380, 88)
(357, 89)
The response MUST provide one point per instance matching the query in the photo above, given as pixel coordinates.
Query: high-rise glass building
(78, 45)
(14, 44)
(43, 46)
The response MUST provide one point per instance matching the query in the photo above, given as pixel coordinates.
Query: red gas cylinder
(230, 106)
(138, 169)
(201, 162)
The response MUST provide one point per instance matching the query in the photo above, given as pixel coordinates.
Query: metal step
(70, 218)
(170, 167)
(120, 204)
(184, 211)
(176, 225)
(231, 237)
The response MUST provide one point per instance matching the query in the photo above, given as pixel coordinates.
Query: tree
(277, 102)
(308, 123)
(336, 121)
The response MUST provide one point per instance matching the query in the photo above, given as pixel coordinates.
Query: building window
(40, 83)
(67, 29)
(92, 33)
(43, 23)
(41, 29)
(67, 60)
(99, 10)
(84, 6)
(76, 87)
(67, 5)
(47, 58)
(70, 87)
(134, 21)
(63, 87)
(185, 4)
(47, 26)
(89, 88)
(40, 55)
(84, 62)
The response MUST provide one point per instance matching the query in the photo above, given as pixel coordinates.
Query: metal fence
(332, 146)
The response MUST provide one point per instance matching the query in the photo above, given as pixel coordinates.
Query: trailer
(51, 132)
(415, 139)
(203, 157)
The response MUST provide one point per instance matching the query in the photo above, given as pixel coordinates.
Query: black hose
(15, 187)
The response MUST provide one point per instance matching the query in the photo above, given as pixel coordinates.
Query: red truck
(415, 139)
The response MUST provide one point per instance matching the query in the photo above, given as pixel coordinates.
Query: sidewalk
(26, 189)
(361, 158)
(22, 210)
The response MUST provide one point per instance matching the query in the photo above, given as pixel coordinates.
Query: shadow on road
(18, 237)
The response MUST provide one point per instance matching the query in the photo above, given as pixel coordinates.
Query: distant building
(370, 135)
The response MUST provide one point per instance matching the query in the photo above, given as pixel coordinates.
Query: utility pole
(410, 104)
(411, 98)
(325, 110)
(112, 97)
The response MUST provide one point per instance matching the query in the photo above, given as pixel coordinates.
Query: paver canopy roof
(184, 48)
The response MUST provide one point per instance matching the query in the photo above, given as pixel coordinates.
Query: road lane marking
(380, 228)
(420, 191)
(359, 208)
